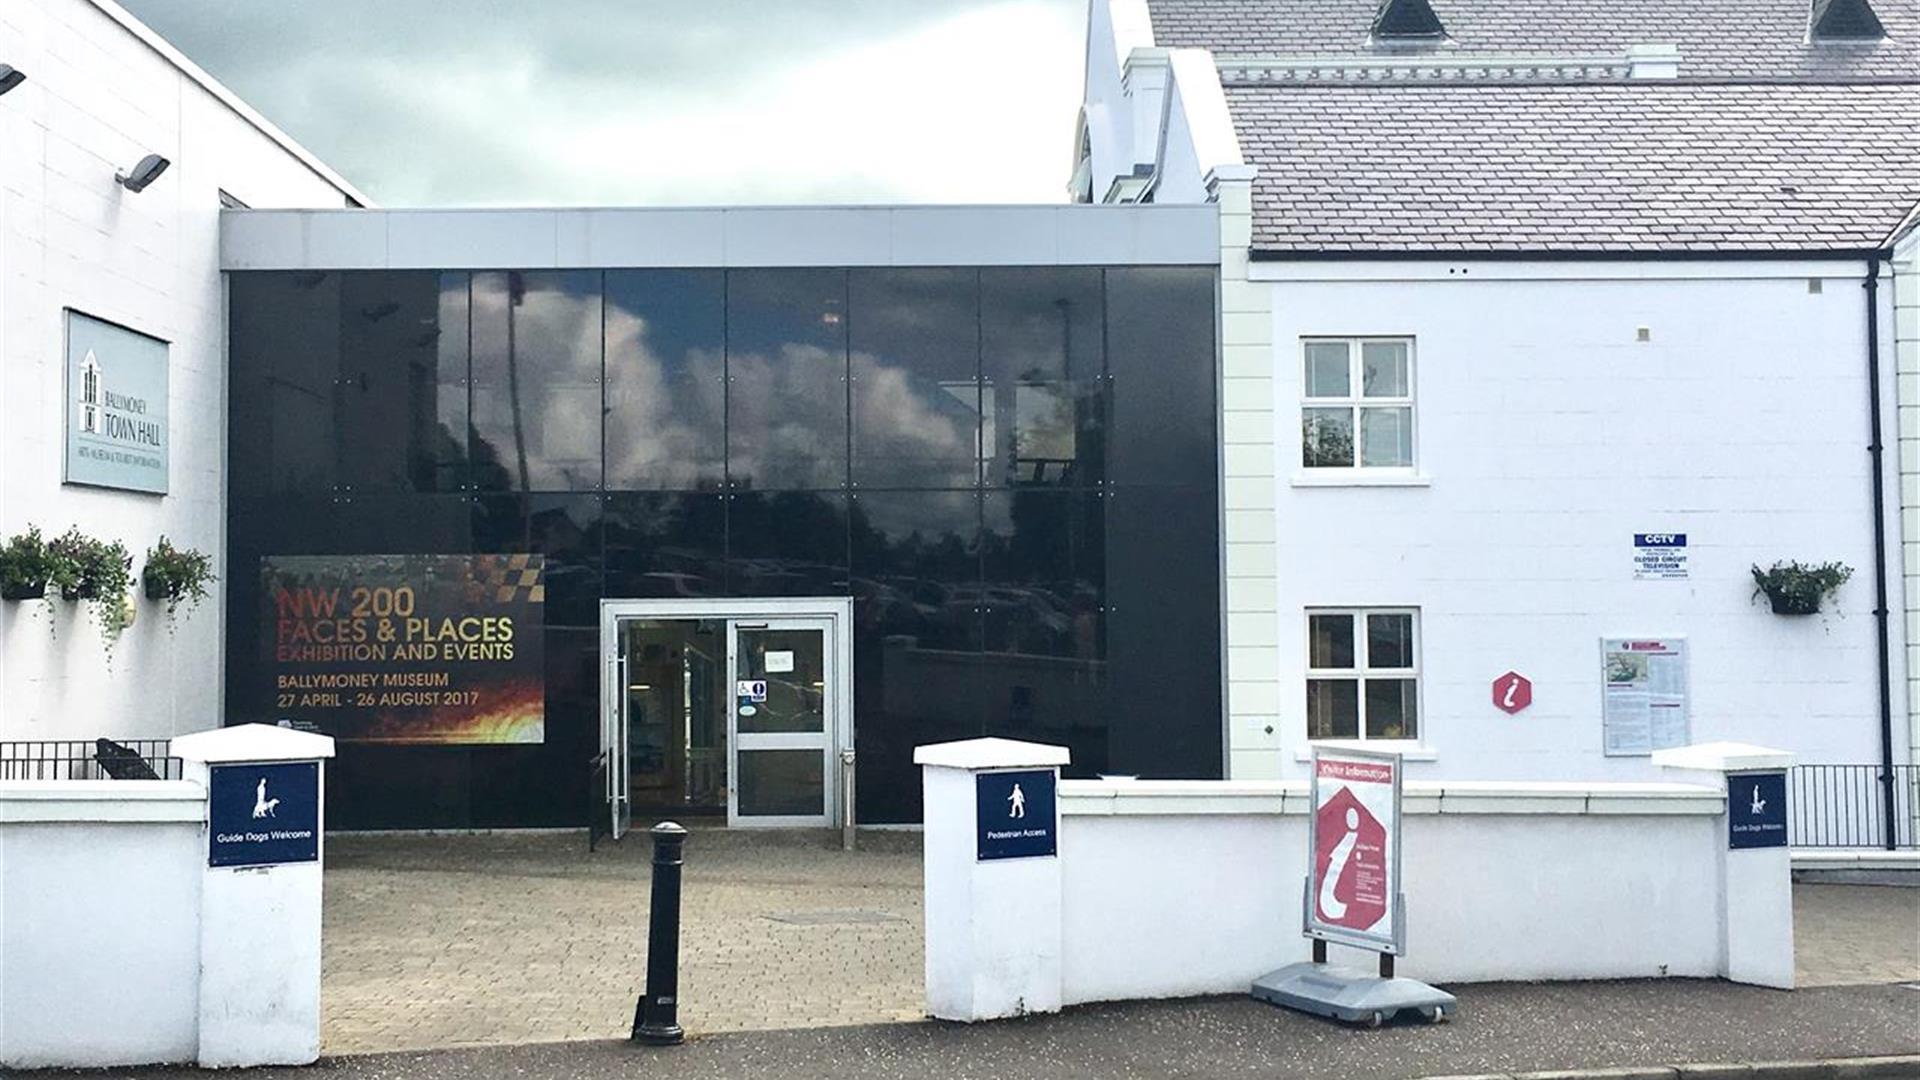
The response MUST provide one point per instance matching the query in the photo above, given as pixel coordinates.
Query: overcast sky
(644, 102)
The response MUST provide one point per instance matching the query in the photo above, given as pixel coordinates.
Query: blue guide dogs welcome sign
(263, 814)
(1015, 814)
(1757, 810)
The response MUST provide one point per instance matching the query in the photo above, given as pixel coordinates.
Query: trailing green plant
(102, 574)
(28, 565)
(1795, 588)
(176, 575)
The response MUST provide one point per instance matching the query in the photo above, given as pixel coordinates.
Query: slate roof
(1606, 166)
(1718, 39)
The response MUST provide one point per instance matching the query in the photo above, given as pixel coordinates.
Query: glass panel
(536, 381)
(1044, 366)
(787, 543)
(676, 711)
(1326, 438)
(1044, 572)
(1383, 369)
(284, 355)
(916, 565)
(782, 782)
(1163, 695)
(666, 544)
(786, 379)
(1333, 708)
(1329, 642)
(1160, 354)
(403, 381)
(1390, 640)
(1329, 372)
(1386, 437)
(793, 665)
(666, 379)
(564, 528)
(1390, 709)
(915, 358)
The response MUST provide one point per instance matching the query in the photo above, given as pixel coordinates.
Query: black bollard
(656, 1019)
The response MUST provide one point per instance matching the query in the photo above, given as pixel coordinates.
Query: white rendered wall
(1547, 435)
(1904, 286)
(100, 925)
(1501, 883)
(99, 95)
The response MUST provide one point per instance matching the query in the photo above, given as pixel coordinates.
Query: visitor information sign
(1644, 695)
(1353, 879)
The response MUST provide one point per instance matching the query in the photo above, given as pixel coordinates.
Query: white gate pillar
(1756, 869)
(992, 876)
(260, 892)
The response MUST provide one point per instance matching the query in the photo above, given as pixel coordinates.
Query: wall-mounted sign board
(1659, 556)
(116, 407)
(1015, 813)
(263, 814)
(1757, 810)
(1643, 686)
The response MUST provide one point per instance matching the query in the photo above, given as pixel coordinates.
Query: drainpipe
(1889, 817)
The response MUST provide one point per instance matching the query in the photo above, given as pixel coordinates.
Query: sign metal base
(1351, 995)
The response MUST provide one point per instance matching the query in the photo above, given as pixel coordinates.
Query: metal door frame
(837, 609)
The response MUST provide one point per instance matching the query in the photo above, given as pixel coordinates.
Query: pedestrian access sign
(1353, 881)
(1016, 814)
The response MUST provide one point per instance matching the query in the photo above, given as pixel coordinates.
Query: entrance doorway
(741, 706)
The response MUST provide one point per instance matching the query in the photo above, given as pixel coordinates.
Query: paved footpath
(1500, 1028)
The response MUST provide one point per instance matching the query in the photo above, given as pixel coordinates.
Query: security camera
(10, 77)
(149, 170)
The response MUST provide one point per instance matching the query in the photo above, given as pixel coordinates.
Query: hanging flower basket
(1793, 588)
(27, 565)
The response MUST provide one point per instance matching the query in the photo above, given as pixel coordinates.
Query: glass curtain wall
(1011, 470)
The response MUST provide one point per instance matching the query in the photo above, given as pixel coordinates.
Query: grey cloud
(546, 102)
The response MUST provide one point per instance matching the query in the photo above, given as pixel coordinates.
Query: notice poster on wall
(1644, 695)
(436, 649)
(1354, 845)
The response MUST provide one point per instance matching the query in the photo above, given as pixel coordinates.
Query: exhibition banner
(1354, 846)
(406, 648)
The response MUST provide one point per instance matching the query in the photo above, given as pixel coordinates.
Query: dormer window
(1407, 22)
(1845, 20)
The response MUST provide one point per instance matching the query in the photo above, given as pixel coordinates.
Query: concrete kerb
(1901, 1066)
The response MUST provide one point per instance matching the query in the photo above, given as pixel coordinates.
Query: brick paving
(439, 941)
(444, 941)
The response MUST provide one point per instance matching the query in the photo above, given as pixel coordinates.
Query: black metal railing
(87, 759)
(1845, 806)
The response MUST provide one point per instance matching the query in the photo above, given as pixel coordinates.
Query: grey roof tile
(1718, 39)
(1594, 166)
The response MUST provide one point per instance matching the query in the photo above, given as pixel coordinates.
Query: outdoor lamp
(137, 178)
(10, 77)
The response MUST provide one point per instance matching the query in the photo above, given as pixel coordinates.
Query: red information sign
(1512, 692)
(1355, 849)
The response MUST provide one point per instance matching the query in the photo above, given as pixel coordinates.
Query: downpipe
(1890, 818)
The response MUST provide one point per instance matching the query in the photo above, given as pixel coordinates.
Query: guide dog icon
(263, 806)
(1019, 803)
(1759, 805)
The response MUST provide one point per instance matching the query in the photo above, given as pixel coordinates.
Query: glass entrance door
(781, 721)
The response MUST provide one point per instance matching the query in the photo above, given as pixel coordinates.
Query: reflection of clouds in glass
(552, 367)
(787, 417)
(664, 419)
(902, 415)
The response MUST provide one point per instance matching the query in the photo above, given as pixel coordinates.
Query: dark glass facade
(1012, 471)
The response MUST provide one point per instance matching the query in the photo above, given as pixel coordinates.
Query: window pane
(1330, 641)
(915, 364)
(1326, 437)
(1333, 708)
(1386, 437)
(1043, 360)
(787, 543)
(1390, 709)
(1390, 641)
(776, 782)
(536, 381)
(666, 380)
(1328, 372)
(786, 379)
(403, 381)
(666, 544)
(1383, 369)
(1160, 357)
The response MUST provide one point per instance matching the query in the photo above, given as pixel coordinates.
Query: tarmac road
(1500, 1027)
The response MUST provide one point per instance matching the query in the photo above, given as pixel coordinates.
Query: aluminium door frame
(838, 609)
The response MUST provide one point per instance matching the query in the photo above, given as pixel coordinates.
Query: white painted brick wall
(1905, 289)
(1550, 436)
(96, 99)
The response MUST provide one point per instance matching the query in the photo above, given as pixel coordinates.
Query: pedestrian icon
(1018, 801)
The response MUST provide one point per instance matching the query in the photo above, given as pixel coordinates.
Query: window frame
(1363, 670)
(1355, 401)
